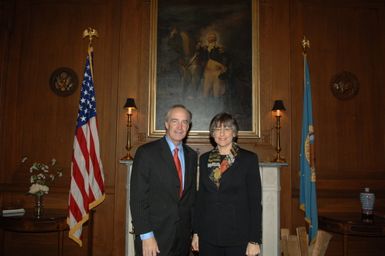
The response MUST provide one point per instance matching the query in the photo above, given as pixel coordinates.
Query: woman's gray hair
(227, 120)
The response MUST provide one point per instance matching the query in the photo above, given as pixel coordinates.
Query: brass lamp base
(279, 159)
(127, 157)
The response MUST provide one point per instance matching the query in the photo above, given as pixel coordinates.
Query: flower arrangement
(42, 175)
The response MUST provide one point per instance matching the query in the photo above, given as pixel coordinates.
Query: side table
(352, 224)
(52, 220)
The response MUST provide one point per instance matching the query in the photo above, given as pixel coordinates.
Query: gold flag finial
(305, 44)
(90, 32)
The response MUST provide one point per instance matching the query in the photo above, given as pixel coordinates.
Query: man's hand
(150, 247)
(195, 243)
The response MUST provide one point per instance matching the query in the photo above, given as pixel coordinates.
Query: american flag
(87, 178)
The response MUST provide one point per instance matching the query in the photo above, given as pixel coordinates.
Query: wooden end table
(52, 220)
(352, 224)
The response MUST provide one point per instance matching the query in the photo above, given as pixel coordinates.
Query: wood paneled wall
(344, 36)
(45, 35)
(38, 36)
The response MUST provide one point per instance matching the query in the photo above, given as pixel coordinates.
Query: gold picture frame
(205, 55)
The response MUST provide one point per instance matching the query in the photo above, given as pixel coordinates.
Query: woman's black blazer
(232, 214)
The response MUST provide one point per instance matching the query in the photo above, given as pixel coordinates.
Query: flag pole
(308, 194)
(305, 44)
(90, 33)
(87, 175)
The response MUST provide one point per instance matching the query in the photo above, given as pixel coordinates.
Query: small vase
(39, 206)
(367, 202)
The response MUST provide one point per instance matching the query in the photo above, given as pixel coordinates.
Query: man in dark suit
(163, 187)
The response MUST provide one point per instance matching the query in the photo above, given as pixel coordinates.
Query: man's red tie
(179, 170)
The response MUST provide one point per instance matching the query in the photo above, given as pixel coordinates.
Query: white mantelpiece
(129, 238)
(271, 227)
(271, 188)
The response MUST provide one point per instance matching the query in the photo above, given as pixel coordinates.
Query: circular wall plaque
(63, 81)
(344, 85)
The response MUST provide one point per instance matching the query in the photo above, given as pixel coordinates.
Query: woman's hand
(253, 249)
(195, 243)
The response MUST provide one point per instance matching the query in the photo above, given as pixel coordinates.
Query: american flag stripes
(87, 178)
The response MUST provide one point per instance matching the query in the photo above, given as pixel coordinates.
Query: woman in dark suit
(228, 211)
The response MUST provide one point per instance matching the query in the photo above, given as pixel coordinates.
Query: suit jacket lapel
(187, 168)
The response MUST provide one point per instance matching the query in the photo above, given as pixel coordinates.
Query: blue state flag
(308, 195)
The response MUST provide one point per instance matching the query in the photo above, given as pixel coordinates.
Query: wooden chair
(321, 243)
(297, 245)
(289, 243)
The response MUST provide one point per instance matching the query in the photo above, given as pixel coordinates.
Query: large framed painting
(204, 55)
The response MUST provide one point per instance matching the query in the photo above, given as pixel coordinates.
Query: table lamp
(130, 106)
(277, 110)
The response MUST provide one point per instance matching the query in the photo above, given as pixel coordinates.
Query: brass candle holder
(277, 110)
(130, 106)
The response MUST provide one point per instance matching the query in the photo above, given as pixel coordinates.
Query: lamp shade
(278, 105)
(130, 103)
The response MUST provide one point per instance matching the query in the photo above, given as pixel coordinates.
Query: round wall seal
(344, 85)
(63, 81)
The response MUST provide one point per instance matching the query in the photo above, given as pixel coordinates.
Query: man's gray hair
(167, 116)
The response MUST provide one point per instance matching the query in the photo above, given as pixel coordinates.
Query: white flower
(42, 176)
(34, 188)
(38, 188)
(44, 188)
